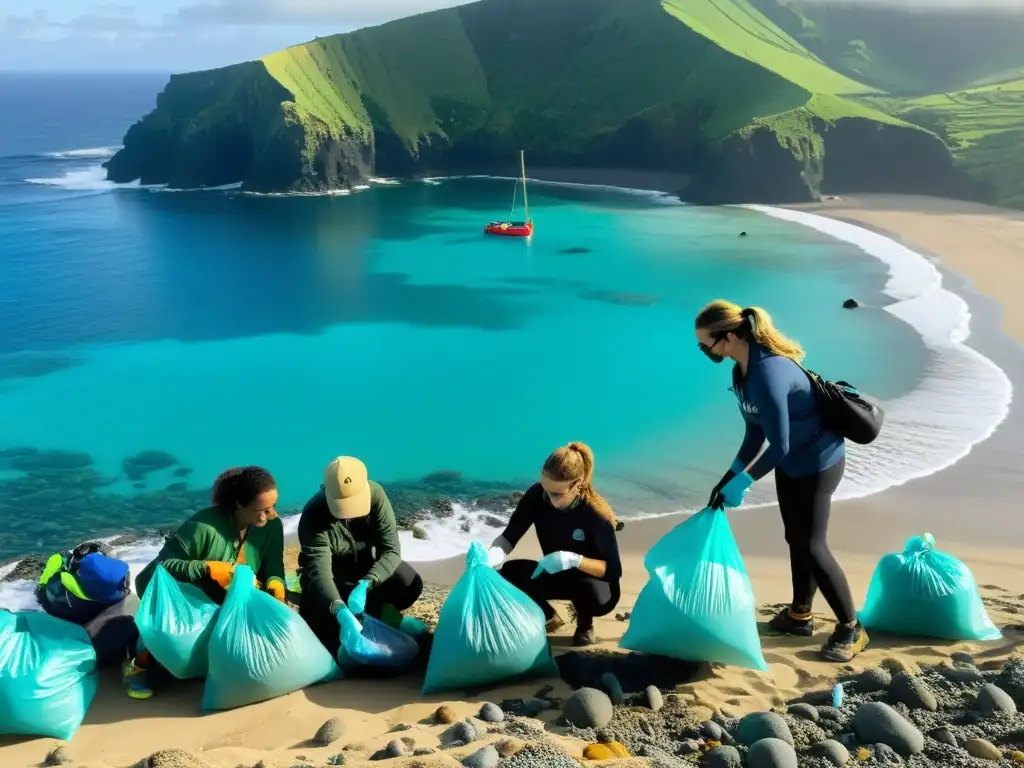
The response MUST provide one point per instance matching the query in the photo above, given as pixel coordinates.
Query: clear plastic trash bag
(923, 592)
(175, 621)
(488, 631)
(48, 675)
(698, 604)
(372, 643)
(260, 649)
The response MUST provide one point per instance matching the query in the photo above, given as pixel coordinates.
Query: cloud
(345, 14)
(108, 23)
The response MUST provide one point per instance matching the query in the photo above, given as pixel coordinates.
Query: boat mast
(526, 200)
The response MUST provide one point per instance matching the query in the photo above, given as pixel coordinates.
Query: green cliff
(715, 89)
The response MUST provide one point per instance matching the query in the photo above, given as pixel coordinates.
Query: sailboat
(512, 228)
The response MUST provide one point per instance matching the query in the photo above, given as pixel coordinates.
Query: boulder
(872, 680)
(491, 713)
(711, 730)
(983, 750)
(851, 304)
(459, 734)
(486, 757)
(804, 711)
(654, 698)
(993, 700)
(878, 723)
(588, 708)
(763, 725)
(722, 757)
(329, 732)
(771, 753)
(912, 691)
(831, 751)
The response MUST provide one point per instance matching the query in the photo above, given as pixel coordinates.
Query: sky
(175, 35)
(186, 35)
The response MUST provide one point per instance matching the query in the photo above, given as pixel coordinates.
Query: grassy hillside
(985, 128)
(661, 84)
(904, 51)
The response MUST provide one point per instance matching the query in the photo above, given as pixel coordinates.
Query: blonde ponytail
(574, 463)
(721, 317)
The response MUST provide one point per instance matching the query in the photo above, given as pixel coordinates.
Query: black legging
(401, 590)
(590, 597)
(805, 503)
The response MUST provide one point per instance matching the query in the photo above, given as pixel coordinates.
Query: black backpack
(844, 411)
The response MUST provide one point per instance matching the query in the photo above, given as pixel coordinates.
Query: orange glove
(221, 572)
(276, 589)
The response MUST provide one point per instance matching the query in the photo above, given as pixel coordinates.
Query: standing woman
(778, 405)
(576, 530)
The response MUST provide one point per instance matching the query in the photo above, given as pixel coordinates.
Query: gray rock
(805, 711)
(613, 688)
(960, 657)
(886, 755)
(872, 680)
(961, 674)
(763, 725)
(912, 691)
(771, 753)
(878, 723)
(483, 758)
(424, 751)
(829, 713)
(722, 757)
(711, 730)
(329, 732)
(491, 713)
(460, 734)
(58, 756)
(993, 699)
(588, 708)
(851, 304)
(654, 698)
(944, 736)
(395, 749)
(983, 750)
(338, 759)
(832, 751)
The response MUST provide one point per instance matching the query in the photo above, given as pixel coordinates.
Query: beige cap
(347, 488)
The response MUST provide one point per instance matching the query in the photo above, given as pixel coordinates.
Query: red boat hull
(508, 229)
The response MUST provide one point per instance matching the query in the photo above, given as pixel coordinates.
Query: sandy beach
(972, 509)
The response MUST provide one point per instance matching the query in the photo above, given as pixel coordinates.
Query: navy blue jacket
(778, 405)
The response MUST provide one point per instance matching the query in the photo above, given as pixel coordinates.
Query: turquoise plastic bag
(373, 644)
(488, 631)
(698, 604)
(175, 621)
(260, 649)
(922, 592)
(48, 675)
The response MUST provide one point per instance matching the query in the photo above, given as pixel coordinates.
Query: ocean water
(151, 338)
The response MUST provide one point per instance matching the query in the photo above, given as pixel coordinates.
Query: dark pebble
(424, 751)
(763, 725)
(722, 757)
(491, 713)
(711, 730)
(805, 711)
(872, 680)
(886, 755)
(876, 722)
(459, 734)
(329, 732)
(611, 685)
(912, 691)
(831, 751)
(771, 753)
(960, 657)
(944, 736)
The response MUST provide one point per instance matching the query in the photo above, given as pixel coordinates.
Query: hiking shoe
(845, 643)
(554, 624)
(584, 636)
(784, 623)
(136, 680)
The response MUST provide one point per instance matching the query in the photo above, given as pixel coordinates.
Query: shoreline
(971, 507)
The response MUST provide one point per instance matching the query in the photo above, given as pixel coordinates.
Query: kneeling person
(576, 531)
(350, 553)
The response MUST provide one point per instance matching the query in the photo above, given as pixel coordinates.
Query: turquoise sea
(150, 338)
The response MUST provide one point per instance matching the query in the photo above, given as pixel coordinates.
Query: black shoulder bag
(845, 411)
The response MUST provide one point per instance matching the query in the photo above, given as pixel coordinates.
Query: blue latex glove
(734, 490)
(357, 598)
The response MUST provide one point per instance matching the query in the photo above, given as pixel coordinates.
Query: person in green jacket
(350, 553)
(241, 528)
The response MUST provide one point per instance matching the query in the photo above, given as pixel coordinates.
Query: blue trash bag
(373, 643)
(698, 604)
(922, 592)
(48, 675)
(488, 631)
(175, 621)
(260, 649)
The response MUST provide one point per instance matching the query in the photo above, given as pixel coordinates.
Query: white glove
(557, 562)
(495, 556)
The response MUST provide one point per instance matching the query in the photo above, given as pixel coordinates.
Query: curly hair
(238, 486)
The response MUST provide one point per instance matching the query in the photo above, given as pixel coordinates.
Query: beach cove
(946, 504)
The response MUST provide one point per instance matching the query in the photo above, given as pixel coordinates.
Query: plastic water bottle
(837, 696)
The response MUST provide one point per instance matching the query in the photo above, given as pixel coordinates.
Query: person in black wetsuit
(576, 530)
(778, 406)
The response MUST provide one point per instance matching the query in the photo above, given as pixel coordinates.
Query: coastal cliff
(665, 85)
